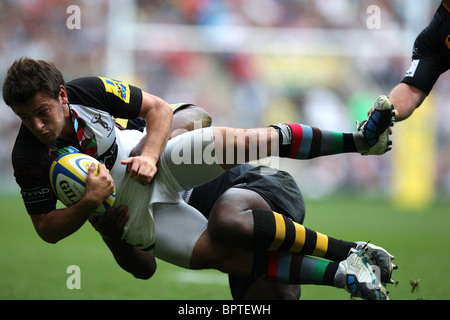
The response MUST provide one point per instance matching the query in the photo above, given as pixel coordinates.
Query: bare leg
(231, 222)
(210, 254)
(237, 146)
(231, 219)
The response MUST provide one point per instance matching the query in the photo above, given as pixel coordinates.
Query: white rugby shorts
(160, 221)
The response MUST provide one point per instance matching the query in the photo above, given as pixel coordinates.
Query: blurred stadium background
(251, 63)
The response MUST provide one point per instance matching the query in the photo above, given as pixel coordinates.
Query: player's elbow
(49, 238)
(46, 229)
(144, 274)
(144, 268)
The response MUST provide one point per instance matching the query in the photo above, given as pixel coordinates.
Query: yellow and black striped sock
(275, 232)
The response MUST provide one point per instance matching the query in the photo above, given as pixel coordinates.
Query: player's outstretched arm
(405, 99)
(140, 264)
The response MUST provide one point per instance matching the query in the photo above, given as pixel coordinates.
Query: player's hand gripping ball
(68, 175)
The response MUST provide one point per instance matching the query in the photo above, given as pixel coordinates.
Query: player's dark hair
(26, 77)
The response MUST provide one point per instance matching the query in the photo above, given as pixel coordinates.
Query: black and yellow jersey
(431, 51)
(94, 102)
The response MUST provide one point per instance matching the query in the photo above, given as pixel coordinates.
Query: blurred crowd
(240, 88)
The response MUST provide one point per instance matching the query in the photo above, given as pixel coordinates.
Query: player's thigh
(182, 239)
(231, 218)
(178, 228)
(190, 159)
(239, 200)
(209, 254)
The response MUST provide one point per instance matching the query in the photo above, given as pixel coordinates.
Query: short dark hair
(26, 77)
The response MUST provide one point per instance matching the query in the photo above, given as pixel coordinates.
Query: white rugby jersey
(94, 104)
(102, 98)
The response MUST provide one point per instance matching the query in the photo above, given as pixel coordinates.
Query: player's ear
(63, 95)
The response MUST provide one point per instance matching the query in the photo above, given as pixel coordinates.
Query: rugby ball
(68, 175)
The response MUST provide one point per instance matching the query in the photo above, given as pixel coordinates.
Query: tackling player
(78, 116)
(229, 203)
(430, 59)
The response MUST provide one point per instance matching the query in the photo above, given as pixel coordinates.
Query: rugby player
(78, 116)
(430, 59)
(228, 202)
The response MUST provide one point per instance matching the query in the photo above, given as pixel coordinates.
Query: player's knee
(143, 275)
(219, 222)
(208, 254)
(225, 222)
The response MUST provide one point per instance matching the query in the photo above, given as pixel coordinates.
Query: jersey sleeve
(426, 66)
(31, 165)
(431, 53)
(118, 98)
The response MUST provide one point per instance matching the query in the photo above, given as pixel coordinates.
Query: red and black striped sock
(298, 141)
(291, 268)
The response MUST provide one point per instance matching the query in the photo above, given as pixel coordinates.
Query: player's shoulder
(30, 162)
(90, 83)
(25, 140)
(99, 92)
(84, 81)
(84, 84)
(80, 89)
(106, 91)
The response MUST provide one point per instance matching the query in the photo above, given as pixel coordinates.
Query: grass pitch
(33, 269)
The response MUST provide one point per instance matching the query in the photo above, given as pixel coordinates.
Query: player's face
(44, 116)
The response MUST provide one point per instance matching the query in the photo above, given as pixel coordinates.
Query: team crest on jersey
(98, 119)
(447, 41)
(120, 89)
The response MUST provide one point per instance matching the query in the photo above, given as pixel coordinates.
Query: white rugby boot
(356, 276)
(379, 257)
